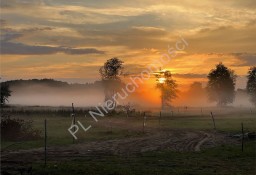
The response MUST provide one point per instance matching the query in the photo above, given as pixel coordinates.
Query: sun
(161, 80)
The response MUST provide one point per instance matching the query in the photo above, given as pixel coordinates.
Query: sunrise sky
(70, 40)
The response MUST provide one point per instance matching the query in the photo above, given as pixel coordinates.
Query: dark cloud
(24, 30)
(244, 4)
(35, 29)
(22, 3)
(247, 59)
(23, 49)
(136, 33)
(252, 23)
(223, 39)
(3, 22)
(119, 31)
(71, 13)
(190, 75)
(10, 36)
(15, 48)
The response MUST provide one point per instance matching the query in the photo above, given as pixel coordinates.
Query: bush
(18, 129)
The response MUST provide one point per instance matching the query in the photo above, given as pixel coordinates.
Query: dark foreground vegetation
(224, 160)
(120, 145)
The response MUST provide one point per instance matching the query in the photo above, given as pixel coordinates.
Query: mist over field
(128, 87)
(47, 95)
(90, 95)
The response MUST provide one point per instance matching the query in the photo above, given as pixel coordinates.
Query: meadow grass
(107, 128)
(224, 160)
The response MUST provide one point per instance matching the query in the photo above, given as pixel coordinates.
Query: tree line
(220, 86)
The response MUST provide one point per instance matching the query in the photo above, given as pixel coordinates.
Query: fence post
(242, 125)
(74, 120)
(144, 121)
(160, 118)
(45, 142)
(110, 123)
(213, 120)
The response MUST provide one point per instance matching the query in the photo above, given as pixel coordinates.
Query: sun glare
(161, 80)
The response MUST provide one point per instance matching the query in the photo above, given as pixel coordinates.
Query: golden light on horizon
(161, 80)
(50, 50)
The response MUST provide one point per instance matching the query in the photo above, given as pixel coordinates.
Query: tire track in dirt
(195, 143)
(202, 141)
(174, 140)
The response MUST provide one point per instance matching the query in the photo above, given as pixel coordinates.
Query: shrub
(17, 129)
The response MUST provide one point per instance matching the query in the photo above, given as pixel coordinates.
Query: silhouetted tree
(167, 86)
(196, 87)
(5, 93)
(110, 73)
(221, 85)
(195, 95)
(128, 109)
(251, 84)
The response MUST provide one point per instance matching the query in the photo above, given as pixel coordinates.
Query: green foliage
(46, 82)
(112, 69)
(17, 129)
(223, 160)
(110, 73)
(58, 120)
(221, 85)
(167, 86)
(251, 84)
(5, 93)
(26, 84)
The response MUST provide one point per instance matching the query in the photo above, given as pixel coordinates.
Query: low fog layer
(55, 93)
(48, 95)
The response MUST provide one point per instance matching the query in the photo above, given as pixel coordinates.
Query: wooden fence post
(160, 118)
(110, 123)
(242, 125)
(213, 121)
(45, 142)
(144, 121)
(74, 120)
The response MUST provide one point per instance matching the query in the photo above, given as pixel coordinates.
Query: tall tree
(167, 86)
(111, 73)
(5, 93)
(251, 84)
(196, 87)
(196, 94)
(221, 85)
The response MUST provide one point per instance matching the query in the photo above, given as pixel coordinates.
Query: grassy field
(118, 126)
(222, 159)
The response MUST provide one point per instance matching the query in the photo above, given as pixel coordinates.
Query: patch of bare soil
(175, 140)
